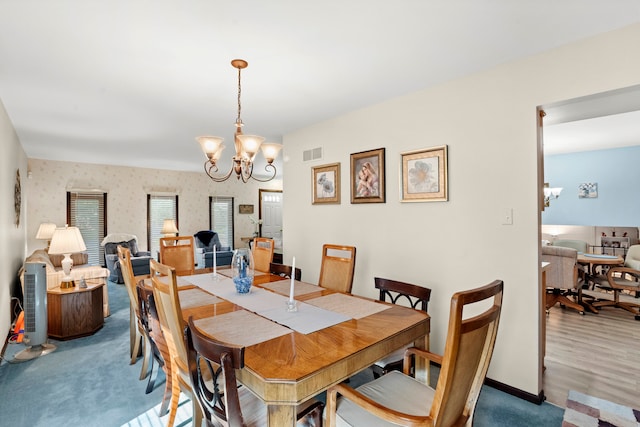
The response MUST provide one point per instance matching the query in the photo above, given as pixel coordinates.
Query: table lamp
(66, 241)
(45, 232)
(169, 228)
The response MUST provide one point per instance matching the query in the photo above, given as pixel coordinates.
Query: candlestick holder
(292, 306)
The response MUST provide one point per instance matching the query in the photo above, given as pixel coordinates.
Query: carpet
(587, 411)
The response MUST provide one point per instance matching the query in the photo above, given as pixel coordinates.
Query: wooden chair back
(212, 366)
(467, 354)
(283, 270)
(178, 253)
(394, 291)
(338, 265)
(124, 256)
(165, 294)
(218, 396)
(262, 252)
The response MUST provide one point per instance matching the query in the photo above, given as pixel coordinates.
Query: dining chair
(262, 251)
(416, 297)
(619, 279)
(178, 252)
(137, 339)
(398, 399)
(336, 270)
(562, 286)
(160, 351)
(221, 398)
(283, 270)
(165, 293)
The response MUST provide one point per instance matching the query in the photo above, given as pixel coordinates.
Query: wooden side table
(75, 312)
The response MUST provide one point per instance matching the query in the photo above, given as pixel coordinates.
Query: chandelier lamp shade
(246, 147)
(66, 241)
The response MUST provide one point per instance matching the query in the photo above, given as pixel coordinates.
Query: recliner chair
(139, 259)
(205, 240)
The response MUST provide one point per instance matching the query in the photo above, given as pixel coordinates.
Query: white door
(271, 215)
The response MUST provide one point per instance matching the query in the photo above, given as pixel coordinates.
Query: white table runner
(268, 304)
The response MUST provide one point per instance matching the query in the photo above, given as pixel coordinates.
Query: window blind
(221, 219)
(159, 208)
(88, 212)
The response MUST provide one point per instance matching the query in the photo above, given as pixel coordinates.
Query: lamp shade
(45, 231)
(169, 226)
(67, 240)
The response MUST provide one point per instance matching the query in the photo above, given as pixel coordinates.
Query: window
(221, 219)
(159, 208)
(88, 212)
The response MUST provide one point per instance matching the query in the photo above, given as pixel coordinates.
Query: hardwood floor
(596, 354)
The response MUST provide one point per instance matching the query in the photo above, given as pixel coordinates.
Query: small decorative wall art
(245, 209)
(367, 177)
(588, 190)
(424, 175)
(325, 184)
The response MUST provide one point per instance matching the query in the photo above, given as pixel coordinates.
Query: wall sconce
(550, 192)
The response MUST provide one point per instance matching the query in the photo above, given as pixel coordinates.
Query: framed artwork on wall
(325, 184)
(367, 176)
(424, 175)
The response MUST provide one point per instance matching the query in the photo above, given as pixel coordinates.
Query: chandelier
(246, 147)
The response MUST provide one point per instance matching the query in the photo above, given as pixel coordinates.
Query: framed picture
(325, 184)
(367, 177)
(588, 190)
(424, 175)
(245, 209)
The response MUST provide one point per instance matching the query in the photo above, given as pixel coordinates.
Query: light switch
(507, 216)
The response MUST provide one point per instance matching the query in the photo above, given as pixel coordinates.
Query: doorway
(270, 212)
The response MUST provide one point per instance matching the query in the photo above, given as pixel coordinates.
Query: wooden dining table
(294, 367)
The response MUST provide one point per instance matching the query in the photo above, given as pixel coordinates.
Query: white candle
(293, 274)
(214, 261)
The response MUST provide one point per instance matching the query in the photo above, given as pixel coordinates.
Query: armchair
(139, 259)
(624, 278)
(205, 240)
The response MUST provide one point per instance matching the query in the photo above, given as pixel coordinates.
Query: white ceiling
(132, 82)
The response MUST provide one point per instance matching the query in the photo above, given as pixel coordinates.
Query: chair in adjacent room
(262, 251)
(562, 278)
(284, 270)
(338, 265)
(579, 245)
(165, 293)
(619, 279)
(399, 399)
(236, 406)
(177, 252)
(414, 296)
(138, 342)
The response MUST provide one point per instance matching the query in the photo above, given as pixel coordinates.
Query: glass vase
(243, 270)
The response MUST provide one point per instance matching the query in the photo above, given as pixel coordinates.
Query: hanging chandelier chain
(239, 120)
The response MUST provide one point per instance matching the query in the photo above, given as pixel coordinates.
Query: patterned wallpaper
(127, 190)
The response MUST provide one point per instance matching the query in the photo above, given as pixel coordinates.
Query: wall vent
(312, 154)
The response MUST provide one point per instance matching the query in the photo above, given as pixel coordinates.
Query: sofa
(204, 242)
(80, 269)
(139, 259)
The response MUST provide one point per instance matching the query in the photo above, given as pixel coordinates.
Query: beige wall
(127, 190)
(12, 238)
(488, 121)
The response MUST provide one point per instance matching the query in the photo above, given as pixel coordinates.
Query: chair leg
(146, 354)
(175, 395)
